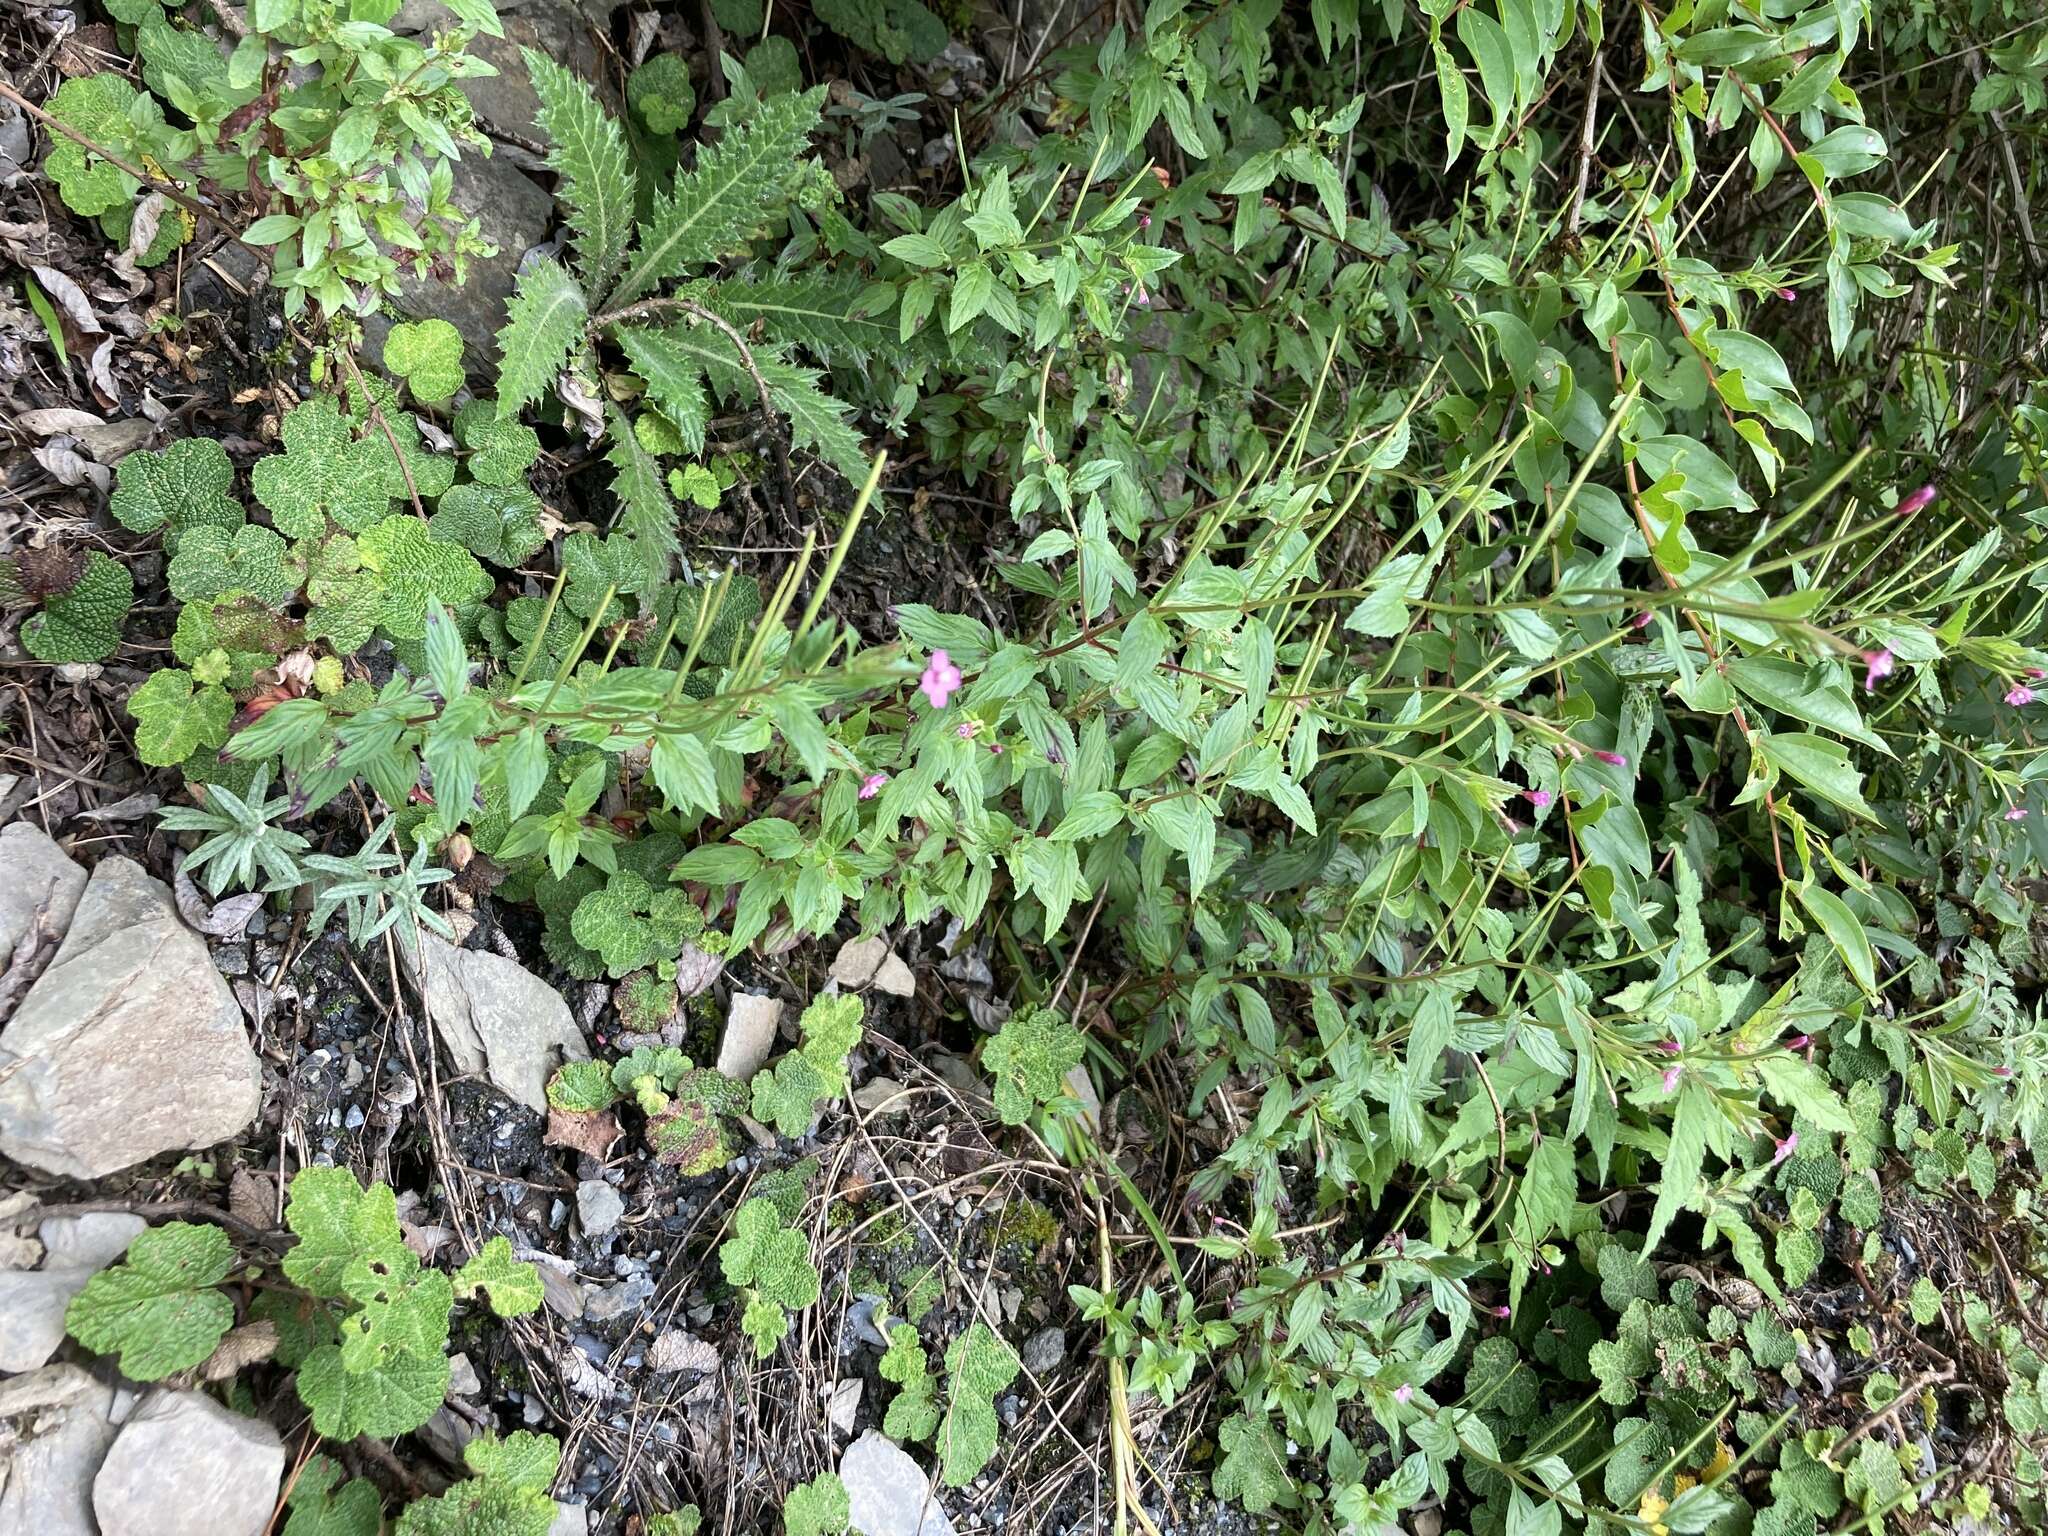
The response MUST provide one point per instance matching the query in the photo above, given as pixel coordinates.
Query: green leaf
(186, 485)
(684, 773)
(427, 354)
(1685, 1159)
(322, 1505)
(645, 510)
(513, 1288)
(817, 1508)
(709, 210)
(339, 1224)
(1844, 931)
(173, 719)
(83, 623)
(979, 1365)
(159, 1307)
(1253, 1468)
(1819, 695)
(543, 329)
(1821, 765)
(587, 150)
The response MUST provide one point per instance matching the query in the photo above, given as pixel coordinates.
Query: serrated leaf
(158, 1308)
(543, 328)
(512, 1288)
(173, 719)
(586, 148)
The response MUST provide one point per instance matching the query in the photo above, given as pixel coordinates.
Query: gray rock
(34, 874)
(496, 1017)
(598, 1207)
(749, 1035)
(130, 1044)
(462, 1378)
(32, 1302)
(513, 214)
(185, 1466)
(608, 1303)
(55, 1427)
(842, 1404)
(570, 1520)
(888, 1493)
(1044, 1350)
(563, 1296)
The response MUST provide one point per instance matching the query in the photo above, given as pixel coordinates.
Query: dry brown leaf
(252, 1197)
(70, 298)
(55, 419)
(244, 1346)
(582, 1130)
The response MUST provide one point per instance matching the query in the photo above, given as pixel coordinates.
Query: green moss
(1026, 1222)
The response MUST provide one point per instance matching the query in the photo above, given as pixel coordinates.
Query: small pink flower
(1671, 1077)
(871, 786)
(1669, 1047)
(1790, 296)
(1503, 1312)
(1798, 1042)
(966, 729)
(940, 679)
(1641, 620)
(1511, 826)
(1612, 759)
(2016, 813)
(1403, 1392)
(1785, 1149)
(1144, 221)
(996, 748)
(1877, 666)
(2001, 1071)
(2036, 673)
(1540, 798)
(1914, 501)
(2019, 695)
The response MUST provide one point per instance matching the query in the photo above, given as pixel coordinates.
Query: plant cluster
(350, 129)
(359, 1319)
(1519, 640)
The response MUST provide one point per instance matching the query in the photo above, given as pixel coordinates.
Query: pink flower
(966, 728)
(1403, 1392)
(1671, 1077)
(2001, 1071)
(996, 748)
(940, 679)
(1914, 501)
(1790, 296)
(2019, 695)
(1144, 221)
(871, 786)
(1612, 759)
(1877, 666)
(2016, 813)
(1785, 1149)
(1503, 1312)
(2036, 673)
(1798, 1042)
(1669, 1047)
(1641, 620)
(1540, 798)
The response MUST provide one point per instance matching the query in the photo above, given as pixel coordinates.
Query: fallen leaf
(582, 1130)
(244, 1346)
(132, 808)
(51, 420)
(69, 298)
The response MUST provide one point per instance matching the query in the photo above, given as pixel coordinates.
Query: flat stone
(895, 978)
(563, 1296)
(34, 874)
(60, 1422)
(185, 1466)
(32, 1302)
(570, 1520)
(129, 1045)
(462, 1378)
(842, 1404)
(750, 1026)
(887, 1493)
(858, 960)
(608, 1303)
(598, 1207)
(496, 1017)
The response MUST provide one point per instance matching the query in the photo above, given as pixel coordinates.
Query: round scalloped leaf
(83, 624)
(391, 1400)
(323, 473)
(322, 1505)
(500, 452)
(416, 566)
(99, 107)
(512, 1288)
(661, 93)
(498, 523)
(211, 562)
(159, 1308)
(427, 354)
(186, 485)
(173, 719)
